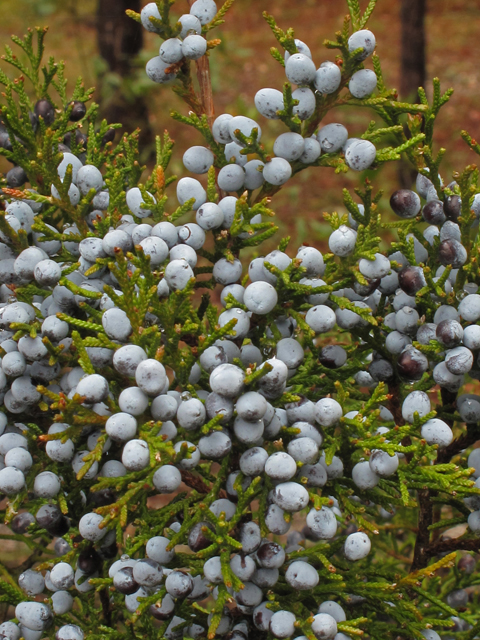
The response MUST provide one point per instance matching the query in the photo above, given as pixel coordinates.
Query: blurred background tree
(416, 39)
(413, 64)
(413, 48)
(120, 41)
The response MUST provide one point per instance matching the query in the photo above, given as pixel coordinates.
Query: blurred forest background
(416, 40)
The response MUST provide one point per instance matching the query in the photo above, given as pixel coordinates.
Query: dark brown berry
(45, 109)
(411, 280)
(59, 529)
(124, 582)
(449, 333)
(78, 111)
(457, 599)
(80, 138)
(5, 141)
(366, 289)
(16, 177)
(467, 564)
(109, 136)
(164, 611)
(48, 515)
(103, 497)
(459, 625)
(381, 370)
(405, 203)
(21, 522)
(433, 212)
(412, 364)
(332, 356)
(268, 552)
(451, 252)
(33, 120)
(89, 561)
(453, 207)
(197, 540)
(109, 551)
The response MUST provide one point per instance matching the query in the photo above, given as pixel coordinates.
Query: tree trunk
(120, 39)
(413, 63)
(412, 14)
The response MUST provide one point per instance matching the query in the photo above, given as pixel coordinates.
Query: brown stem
(463, 442)
(195, 482)
(3, 611)
(448, 546)
(424, 549)
(413, 49)
(324, 104)
(105, 600)
(266, 192)
(425, 517)
(449, 400)
(395, 404)
(436, 517)
(206, 94)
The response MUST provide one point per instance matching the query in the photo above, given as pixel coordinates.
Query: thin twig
(196, 482)
(425, 518)
(425, 514)
(459, 444)
(205, 83)
(105, 600)
(447, 546)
